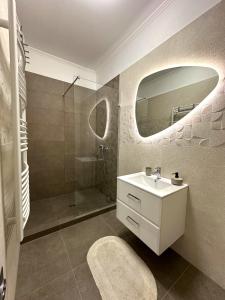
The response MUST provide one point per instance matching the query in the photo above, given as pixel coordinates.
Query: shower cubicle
(87, 180)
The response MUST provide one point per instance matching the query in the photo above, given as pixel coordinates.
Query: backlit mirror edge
(107, 118)
(164, 134)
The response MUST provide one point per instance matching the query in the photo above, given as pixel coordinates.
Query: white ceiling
(81, 31)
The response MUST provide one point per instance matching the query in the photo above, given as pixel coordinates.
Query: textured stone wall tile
(206, 117)
(218, 103)
(179, 135)
(200, 130)
(182, 142)
(164, 142)
(216, 138)
(207, 109)
(187, 132)
(179, 127)
(216, 116)
(223, 121)
(195, 141)
(187, 121)
(216, 125)
(172, 136)
(196, 119)
(204, 142)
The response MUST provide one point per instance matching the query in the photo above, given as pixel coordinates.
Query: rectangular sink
(160, 188)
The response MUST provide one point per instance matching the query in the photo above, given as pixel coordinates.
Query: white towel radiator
(19, 99)
(25, 193)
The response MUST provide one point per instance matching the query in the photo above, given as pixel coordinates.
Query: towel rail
(25, 192)
(181, 110)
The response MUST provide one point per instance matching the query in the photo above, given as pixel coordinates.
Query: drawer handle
(132, 222)
(132, 197)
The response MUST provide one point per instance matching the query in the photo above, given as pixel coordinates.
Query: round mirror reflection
(98, 118)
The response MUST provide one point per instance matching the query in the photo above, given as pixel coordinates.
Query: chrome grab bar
(132, 197)
(132, 222)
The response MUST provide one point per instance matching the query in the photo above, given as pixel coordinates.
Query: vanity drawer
(144, 203)
(141, 227)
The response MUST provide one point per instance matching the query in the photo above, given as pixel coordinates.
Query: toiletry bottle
(148, 171)
(176, 180)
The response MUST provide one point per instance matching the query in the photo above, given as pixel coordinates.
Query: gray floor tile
(62, 288)
(80, 237)
(196, 286)
(86, 283)
(42, 251)
(41, 217)
(29, 281)
(41, 260)
(166, 268)
(46, 263)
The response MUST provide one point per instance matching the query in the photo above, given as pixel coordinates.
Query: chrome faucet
(101, 151)
(157, 173)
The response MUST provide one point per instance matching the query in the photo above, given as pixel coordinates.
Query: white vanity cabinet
(154, 211)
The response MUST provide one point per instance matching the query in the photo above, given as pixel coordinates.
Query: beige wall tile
(41, 99)
(69, 103)
(45, 132)
(46, 190)
(41, 147)
(45, 116)
(46, 162)
(41, 83)
(201, 166)
(69, 119)
(50, 176)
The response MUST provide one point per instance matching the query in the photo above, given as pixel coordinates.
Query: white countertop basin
(161, 188)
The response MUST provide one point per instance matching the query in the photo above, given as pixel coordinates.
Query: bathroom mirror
(98, 118)
(165, 97)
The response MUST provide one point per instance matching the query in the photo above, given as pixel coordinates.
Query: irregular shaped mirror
(165, 97)
(98, 118)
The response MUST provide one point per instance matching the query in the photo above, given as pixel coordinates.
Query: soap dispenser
(176, 180)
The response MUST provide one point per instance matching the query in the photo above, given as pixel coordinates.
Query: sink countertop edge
(178, 188)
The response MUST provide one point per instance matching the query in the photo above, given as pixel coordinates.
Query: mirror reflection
(165, 97)
(98, 118)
